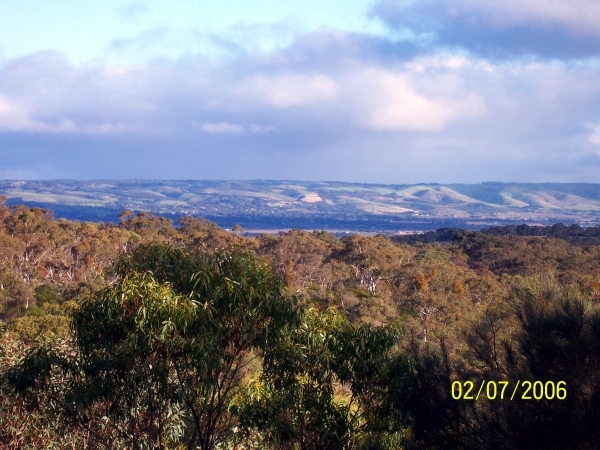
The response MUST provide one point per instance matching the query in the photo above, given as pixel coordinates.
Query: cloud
(133, 11)
(231, 128)
(15, 117)
(242, 37)
(390, 100)
(44, 94)
(143, 40)
(332, 105)
(546, 28)
(286, 90)
(595, 136)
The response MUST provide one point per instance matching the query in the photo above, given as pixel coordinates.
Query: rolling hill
(321, 201)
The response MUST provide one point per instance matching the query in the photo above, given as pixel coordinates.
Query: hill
(264, 204)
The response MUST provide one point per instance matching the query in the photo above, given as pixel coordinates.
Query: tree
(237, 229)
(161, 353)
(300, 257)
(543, 334)
(330, 384)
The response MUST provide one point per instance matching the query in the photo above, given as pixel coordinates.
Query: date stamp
(501, 390)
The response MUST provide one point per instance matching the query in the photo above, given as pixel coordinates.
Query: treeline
(146, 335)
(574, 233)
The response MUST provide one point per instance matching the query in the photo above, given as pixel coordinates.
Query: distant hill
(280, 202)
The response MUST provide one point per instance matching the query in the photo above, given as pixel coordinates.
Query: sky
(374, 91)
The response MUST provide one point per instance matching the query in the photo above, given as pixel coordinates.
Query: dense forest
(150, 334)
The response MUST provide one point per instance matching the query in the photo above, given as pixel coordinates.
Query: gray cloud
(332, 105)
(557, 29)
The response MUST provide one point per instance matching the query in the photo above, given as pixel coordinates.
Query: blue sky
(392, 91)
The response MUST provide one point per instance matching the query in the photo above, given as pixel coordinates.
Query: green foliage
(161, 359)
(433, 256)
(328, 238)
(41, 324)
(178, 331)
(330, 384)
(45, 294)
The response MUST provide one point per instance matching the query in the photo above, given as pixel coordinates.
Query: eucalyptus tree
(175, 336)
(157, 357)
(329, 384)
(169, 354)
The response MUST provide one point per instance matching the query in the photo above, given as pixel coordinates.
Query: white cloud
(259, 129)
(309, 106)
(221, 128)
(364, 95)
(385, 100)
(595, 136)
(288, 89)
(15, 117)
(232, 128)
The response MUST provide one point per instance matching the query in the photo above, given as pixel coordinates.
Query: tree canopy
(146, 335)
